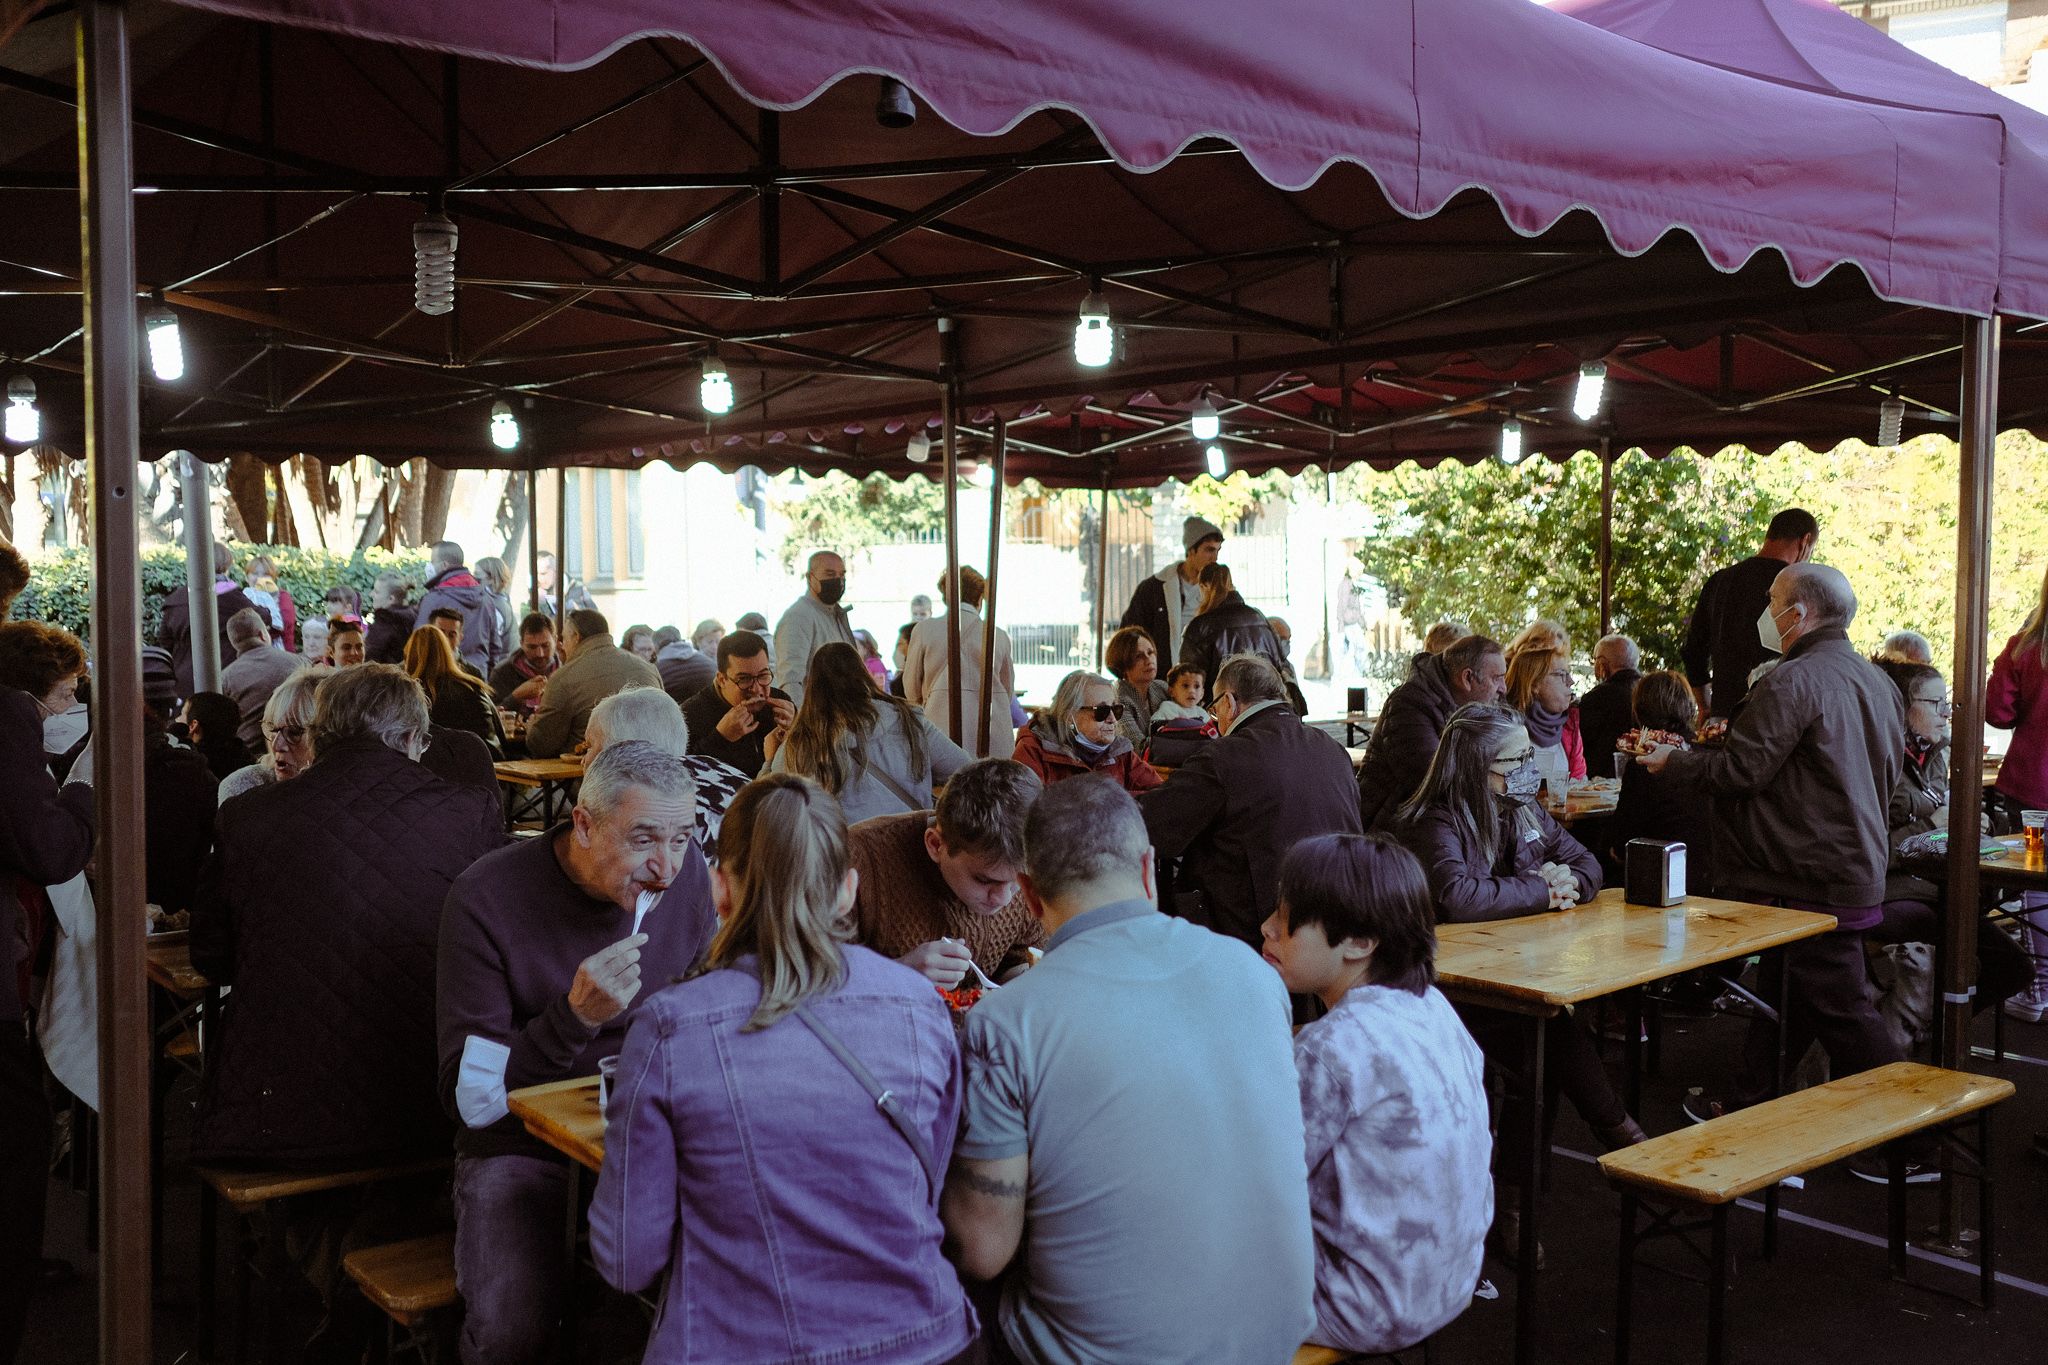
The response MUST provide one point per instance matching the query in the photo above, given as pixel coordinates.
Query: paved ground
(1825, 1299)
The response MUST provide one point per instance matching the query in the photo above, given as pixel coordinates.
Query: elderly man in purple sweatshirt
(544, 949)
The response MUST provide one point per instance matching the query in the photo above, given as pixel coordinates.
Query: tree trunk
(248, 498)
(284, 529)
(406, 498)
(7, 499)
(437, 493)
(299, 479)
(513, 516)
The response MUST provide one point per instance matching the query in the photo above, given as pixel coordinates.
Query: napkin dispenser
(1654, 872)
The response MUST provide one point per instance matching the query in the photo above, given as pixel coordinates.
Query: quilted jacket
(321, 907)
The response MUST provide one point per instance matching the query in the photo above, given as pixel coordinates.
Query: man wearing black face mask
(812, 620)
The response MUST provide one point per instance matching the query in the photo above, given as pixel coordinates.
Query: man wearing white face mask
(1721, 645)
(1801, 793)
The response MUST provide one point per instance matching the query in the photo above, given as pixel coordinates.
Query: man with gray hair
(812, 620)
(1231, 812)
(1107, 1088)
(379, 841)
(1906, 647)
(1800, 796)
(650, 714)
(1607, 712)
(454, 588)
(255, 673)
(545, 946)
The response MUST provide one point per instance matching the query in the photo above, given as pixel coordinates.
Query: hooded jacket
(685, 669)
(1232, 626)
(1157, 612)
(1041, 749)
(390, 628)
(175, 628)
(1398, 754)
(457, 588)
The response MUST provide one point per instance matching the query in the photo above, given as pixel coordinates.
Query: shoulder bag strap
(884, 1100)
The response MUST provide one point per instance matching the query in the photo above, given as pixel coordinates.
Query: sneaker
(2028, 1006)
(1873, 1167)
(1702, 1107)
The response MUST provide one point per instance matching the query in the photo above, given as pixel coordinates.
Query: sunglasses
(1108, 710)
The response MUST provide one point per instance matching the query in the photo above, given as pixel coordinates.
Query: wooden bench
(1330, 1355)
(256, 1197)
(410, 1281)
(1712, 1165)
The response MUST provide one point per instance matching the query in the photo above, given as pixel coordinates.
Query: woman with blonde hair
(1227, 625)
(287, 734)
(725, 1110)
(1540, 687)
(879, 755)
(456, 698)
(928, 675)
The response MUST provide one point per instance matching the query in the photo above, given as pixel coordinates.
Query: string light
(1511, 442)
(1094, 339)
(920, 448)
(24, 426)
(1206, 424)
(1592, 388)
(1891, 416)
(433, 264)
(166, 346)
(1219, 463)
(504, 427)
(715, 392)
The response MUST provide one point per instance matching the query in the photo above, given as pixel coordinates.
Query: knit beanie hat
(1195, 530)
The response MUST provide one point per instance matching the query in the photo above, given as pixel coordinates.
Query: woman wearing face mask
(1078, 734)
(1490, 852)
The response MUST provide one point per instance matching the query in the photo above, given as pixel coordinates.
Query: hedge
(60, 586)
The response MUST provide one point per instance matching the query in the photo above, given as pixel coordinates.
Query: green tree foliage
(849, 515)
(60, 587)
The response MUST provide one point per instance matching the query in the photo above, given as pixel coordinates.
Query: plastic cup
(605, 1067)
(1621, 762)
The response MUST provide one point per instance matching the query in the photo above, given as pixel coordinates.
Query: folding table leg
(1987, 1258)
(1717, 1289)
(1771, 1222)
(1632, 1049)
(1895, 1220)
(1625, 1281)
(275, 1271)
(203, 1308)
(1526, 1275)
(565, 1350)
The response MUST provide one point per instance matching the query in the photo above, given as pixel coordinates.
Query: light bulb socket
(1891, 420)
(894, 108)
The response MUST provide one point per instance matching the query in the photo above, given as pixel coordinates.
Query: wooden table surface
(564, 1115)
(2010, 866)
(532, 772)
(170, 964)
(1541, 963)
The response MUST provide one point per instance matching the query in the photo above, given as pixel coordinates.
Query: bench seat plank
(408, 1279)
(1754, 1148)
(246, 1189)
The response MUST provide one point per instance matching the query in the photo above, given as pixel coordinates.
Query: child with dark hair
(1186, 687)
(1392, 1096)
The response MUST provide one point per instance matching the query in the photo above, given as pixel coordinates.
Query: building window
(601, 525)
(636, 542)
(572, 514)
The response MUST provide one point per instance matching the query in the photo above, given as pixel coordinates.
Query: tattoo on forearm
(995, 1189)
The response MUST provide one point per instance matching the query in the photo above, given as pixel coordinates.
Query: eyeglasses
(290, 734)
(1942, 705)
(743, 681)
(1217, 701)
(1102, 711)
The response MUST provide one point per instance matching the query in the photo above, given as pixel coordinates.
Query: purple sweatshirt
(513, 932)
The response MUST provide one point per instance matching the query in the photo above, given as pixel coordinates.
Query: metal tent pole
(1966, 792)
(561, 551)
(1102, 569)
(950, 410)
(988, 605)
(113, 435)
(1606, 535)
(205, 617)
(533, 538)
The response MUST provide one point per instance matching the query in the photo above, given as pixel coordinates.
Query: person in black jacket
(1655, 805)
(392, 621)
(1490, 852)
(174, 631)
(456, 698)
(383, 840)
(46, 837)
(1403, 742)
(1608, 709)
(1231, 812)
(1163, 604)
(1228, 625)
(1721, 646)
(179, 793)
(211, 721)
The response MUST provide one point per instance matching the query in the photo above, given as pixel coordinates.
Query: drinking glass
(2032, 823)
(1621, 762)
(605, 1067)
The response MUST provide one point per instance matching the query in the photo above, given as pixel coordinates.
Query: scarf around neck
(1546, 727)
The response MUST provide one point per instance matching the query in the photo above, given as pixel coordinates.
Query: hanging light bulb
(504, 427)
(24, 424)
(1592, 388)
(982, 475)
(1206, 424)
(715, 392)
(166, 347)
(1094, 338)
(1511, 442)
(920, 448)
(433, 264)
(797, 490)
(1219, 463)
(1891, 415)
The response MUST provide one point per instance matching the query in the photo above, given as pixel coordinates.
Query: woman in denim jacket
(746, 1167)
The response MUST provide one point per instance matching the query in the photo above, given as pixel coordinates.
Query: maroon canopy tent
(1375, 230)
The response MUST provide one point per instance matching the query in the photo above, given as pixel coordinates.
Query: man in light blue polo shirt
(1131, 1101)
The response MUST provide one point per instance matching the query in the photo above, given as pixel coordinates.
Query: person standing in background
(1165, 603)
(1722, 647)
(812, 620)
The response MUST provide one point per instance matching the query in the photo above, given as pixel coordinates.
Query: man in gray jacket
(255, 673)
(812, 620)
(593, 668)
(1800, 795)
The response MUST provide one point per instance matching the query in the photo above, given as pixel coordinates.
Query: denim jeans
(510, 1265)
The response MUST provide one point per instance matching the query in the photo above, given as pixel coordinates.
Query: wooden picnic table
(549, 779)
(564, 1115)
(169, 957)
(1538, 965)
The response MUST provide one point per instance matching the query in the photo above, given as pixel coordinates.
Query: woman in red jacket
(1078, 734)
(2017, 700)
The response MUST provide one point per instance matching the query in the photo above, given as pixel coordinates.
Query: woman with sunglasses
(1490, 852)
(1079, 734)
